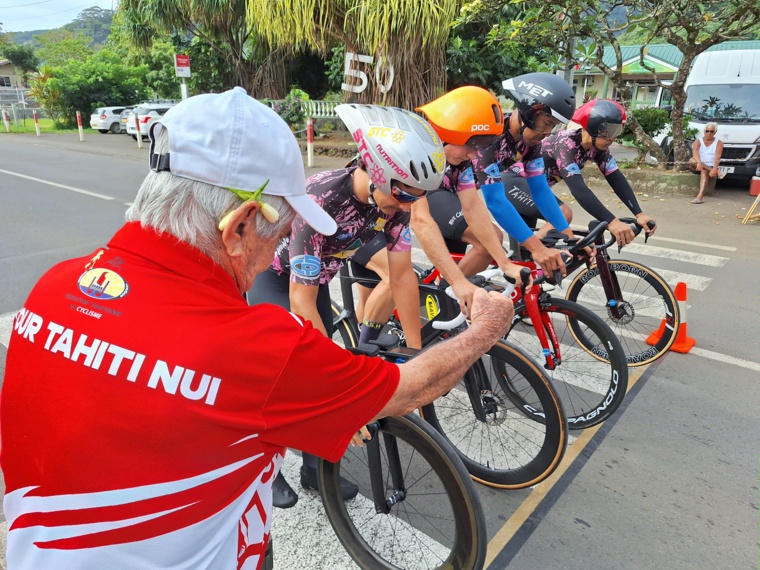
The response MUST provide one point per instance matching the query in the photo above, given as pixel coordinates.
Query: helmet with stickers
(396, 145)
(601, 118)
(536, 92)
(466, 116)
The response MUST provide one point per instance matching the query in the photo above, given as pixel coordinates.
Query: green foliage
(652, 120)
(290, 109)
(101, 81)
(22, 58)
(60, 47)
(336, 67)
(93, 23)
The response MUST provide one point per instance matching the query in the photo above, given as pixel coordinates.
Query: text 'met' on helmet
(395, 144)
(541, 92)
(601, 118)
(465, 116)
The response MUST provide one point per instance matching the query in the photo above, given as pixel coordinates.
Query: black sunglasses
(405, 197)
(709, 131)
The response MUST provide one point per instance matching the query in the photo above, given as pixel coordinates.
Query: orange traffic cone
(683, 343)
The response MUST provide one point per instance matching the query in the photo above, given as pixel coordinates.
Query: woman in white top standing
(706, 154)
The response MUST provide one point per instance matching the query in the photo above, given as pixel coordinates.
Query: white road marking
(6, 324)
(70, 188)
(694, 243)
(676, 254)
(694, 282)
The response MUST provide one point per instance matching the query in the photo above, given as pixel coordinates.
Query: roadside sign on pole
(182, 65)
(36, 122)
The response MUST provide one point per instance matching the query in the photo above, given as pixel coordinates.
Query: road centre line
(70, 188)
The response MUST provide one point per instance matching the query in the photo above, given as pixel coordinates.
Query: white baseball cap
(231, 140)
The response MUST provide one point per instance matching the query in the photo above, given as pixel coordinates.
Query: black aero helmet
(601, 118)
(535, 92)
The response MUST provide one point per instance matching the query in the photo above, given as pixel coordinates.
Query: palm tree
(410, 35)
(224, 27)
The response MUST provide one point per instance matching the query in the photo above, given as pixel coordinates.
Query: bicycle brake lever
(651, 225)
(558, 273)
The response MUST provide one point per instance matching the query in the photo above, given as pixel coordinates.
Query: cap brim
(312, 214)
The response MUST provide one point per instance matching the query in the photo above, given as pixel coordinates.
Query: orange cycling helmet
(467, 116)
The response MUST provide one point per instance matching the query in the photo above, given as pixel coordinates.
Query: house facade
(591, 83)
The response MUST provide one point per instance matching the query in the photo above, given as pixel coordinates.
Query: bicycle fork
(542, 324)
(611, 286)
(383, 502)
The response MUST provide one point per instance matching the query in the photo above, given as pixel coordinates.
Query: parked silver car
(106, 119)
(146, 113)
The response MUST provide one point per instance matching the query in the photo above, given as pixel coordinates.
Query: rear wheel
(116, 128)
(504, 441)
(647, 311)
(417, 507)
(590, 372)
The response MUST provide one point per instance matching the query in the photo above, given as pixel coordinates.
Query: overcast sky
(26, 15)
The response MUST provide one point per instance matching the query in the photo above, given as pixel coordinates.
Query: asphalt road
(670, 482)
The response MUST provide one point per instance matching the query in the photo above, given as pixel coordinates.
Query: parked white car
(146, 113)
(106, 119)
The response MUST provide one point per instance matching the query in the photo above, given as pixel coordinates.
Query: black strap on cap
(159, 162)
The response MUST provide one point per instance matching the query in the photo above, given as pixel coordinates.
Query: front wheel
(588, 367)
(504, 419)
(417, 507)
(345, 330)
(645, 318)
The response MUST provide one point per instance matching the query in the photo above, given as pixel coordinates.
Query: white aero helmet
(395, 145)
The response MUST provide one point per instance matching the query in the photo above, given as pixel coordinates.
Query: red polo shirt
(146, 409)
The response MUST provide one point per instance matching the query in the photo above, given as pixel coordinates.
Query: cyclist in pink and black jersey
(513, 164)
(565, 153)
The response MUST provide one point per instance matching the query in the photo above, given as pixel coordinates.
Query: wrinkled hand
(550, 260)
(357, 438)
(622, 232)
(464, 290)
(492, 312)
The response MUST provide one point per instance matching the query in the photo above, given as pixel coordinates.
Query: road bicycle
(636, 303)
(417, 507)
(504, 418)
(582, 356)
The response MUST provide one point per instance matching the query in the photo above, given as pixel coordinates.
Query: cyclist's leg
(371, 264)
(446, 210)
(428, 512)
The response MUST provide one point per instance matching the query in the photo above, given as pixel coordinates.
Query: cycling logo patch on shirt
(102, 284)
(493, 170)
(573, 169)
(306, 266)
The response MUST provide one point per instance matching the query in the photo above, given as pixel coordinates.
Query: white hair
(191, 210)
(713, 125)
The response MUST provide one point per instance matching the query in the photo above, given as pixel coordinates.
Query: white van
(724, 87)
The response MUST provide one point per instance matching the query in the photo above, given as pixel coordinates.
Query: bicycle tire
(521, 440)
(592, 375)
(648, 303)
(411, 535)
(345, 330)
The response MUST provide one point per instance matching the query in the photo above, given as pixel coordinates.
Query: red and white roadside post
(137, 128)
(36, 122)
(79, 124)
(7, 121)
(309, 141)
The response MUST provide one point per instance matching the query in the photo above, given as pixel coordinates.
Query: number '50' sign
(349, 71)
